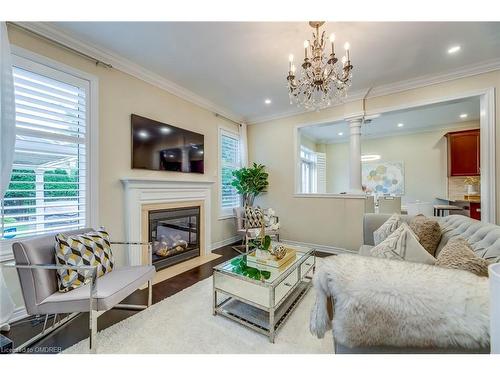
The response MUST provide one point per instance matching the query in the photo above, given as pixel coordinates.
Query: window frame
(30, 61)
(312, 166)
(225, 213)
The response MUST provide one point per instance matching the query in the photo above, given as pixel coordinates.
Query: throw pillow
(88, 249)
(387, 228)
(458, 254)
(428, 231)
(254, 216)
(402, 244)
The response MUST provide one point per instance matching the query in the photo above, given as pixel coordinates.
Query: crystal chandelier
(322, 81)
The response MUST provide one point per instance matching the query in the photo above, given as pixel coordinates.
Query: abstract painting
(384, 177)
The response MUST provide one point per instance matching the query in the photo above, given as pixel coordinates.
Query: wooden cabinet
(475, 210)
(464, 153)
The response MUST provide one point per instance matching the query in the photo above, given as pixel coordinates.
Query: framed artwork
(384, 177)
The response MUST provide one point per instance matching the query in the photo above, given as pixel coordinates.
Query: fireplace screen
(175, 235)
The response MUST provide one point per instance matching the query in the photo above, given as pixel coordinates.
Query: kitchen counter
(471, 206)
(463, 200)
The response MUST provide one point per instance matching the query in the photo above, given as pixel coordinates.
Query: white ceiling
(431, 117)
(236, 65)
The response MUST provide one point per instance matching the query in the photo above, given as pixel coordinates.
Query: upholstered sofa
(484, 240)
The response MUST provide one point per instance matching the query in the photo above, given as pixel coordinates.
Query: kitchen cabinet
(464, 153)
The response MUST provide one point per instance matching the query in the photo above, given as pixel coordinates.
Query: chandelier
(323, 80)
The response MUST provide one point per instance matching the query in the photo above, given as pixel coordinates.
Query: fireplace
(175, 234)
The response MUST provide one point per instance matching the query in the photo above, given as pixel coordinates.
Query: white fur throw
(384, 302)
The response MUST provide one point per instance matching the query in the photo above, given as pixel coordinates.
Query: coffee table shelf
(262, 305)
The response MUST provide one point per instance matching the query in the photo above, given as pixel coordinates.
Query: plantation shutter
(321, 172)
(230, 161)
(47, 191)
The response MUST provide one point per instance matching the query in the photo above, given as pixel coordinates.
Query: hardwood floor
(78, 329)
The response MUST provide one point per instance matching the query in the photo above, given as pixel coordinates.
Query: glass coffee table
(262, 297)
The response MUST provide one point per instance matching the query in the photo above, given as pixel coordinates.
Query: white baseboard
(18, 314)
(324, 248)
(227, 241)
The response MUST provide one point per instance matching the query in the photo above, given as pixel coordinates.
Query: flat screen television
(162, 147)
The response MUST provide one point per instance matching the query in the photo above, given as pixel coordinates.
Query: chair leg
(93, 331)
(150, 293)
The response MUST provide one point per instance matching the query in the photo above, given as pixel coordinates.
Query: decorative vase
(279, 251)
(470, 190)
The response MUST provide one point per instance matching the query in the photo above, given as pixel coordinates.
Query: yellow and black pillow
(88, 249)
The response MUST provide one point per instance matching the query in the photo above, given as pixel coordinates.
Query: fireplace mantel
(134, 182)
(141, 191)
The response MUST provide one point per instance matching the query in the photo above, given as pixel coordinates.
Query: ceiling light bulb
(290, 57)
(267, 101)
(332, 37)
(143, 134)
(454, 49)
(165, 130)
(306, 43)
(347, 46)
(340, 133)
(370, 157)
(463, 115)
(400, 125)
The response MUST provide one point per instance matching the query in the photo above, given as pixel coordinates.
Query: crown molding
(434, 79)
(126, 66)
(395, 87)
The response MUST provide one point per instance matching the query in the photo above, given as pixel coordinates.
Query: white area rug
(184, 323)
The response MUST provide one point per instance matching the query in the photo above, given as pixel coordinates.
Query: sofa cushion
(87, 249)
(459, 255)
(112, 288)
(483, 238)
(386, 229)
(402, 244)
(428, 232)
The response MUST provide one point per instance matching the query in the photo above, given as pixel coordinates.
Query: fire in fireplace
(175, 234)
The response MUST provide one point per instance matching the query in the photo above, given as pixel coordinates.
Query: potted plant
(249, 182)
(471, 185)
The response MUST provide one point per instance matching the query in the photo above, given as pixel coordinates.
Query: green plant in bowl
(241, 267)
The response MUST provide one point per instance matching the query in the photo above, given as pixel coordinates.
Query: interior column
(355, 156)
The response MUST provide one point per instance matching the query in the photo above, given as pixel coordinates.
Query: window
(308, 170)
(49, 187)
(313, 171)
(229, 144)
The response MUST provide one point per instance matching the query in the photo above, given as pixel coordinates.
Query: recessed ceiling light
(400, 125)
(267, 101)
(341, 133)
(454, 49)
(463, 115)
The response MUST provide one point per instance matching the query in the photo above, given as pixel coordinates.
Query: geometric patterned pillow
(386, 229)
(402, 244)
(88, 249)
(254, 216)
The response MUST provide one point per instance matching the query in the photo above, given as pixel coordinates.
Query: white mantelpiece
(142, 191)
